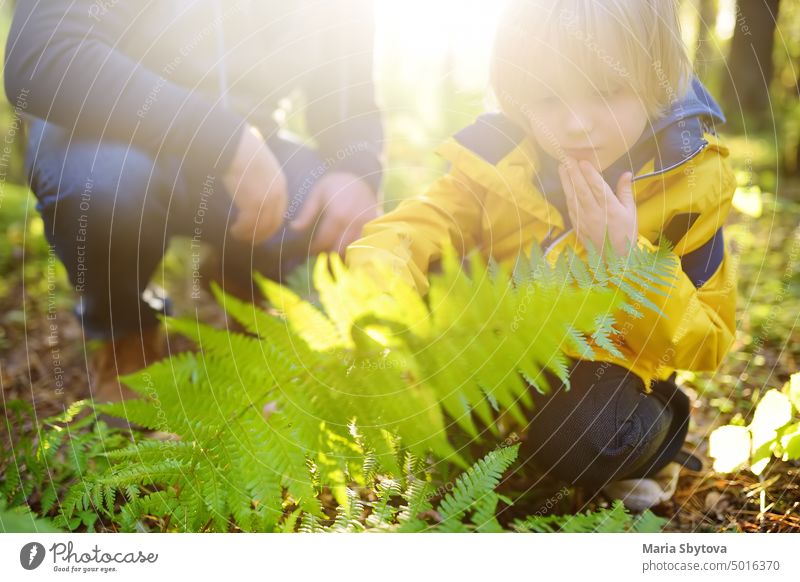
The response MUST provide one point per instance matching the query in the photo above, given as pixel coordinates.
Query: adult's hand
(345, 203)
(258, 187)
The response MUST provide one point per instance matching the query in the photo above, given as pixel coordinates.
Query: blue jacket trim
(492, 137)
(701, 264)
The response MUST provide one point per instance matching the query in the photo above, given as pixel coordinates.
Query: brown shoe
(125, 355)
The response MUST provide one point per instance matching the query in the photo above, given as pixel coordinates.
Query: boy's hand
(258, 187)
(594, 208)
(346, 203)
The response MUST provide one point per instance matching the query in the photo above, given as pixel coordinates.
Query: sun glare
(420, 34)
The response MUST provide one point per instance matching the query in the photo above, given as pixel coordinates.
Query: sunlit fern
(268, 419)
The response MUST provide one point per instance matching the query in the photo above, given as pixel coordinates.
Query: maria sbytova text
(694, 550)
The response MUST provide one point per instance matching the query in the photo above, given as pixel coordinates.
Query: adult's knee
(103, 210)
(89, 190)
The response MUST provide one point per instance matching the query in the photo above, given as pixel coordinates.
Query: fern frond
(268, 419)
(615, 519)
(383, 514)
(348, 518)
(483, 515)
(417, 497)
(479, 481)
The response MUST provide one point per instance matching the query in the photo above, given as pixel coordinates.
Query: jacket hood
(669, 141)
(696, 103)
(677, 134)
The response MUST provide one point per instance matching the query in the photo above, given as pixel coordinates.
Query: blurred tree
(750, 62)
(704, 55)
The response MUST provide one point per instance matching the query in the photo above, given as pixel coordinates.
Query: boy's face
(598, 127)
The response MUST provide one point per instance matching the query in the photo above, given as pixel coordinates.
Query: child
(602, 129)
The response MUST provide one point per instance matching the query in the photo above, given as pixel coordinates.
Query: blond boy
(602, 130)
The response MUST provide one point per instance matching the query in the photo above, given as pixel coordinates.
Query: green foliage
(13, 222)
(60, 455)
(615, 519)
(323, 399)
(774, 431)
(475, 490)
(769, 299)
(26, 263)
(22, 520)
(24, 254)
(469, 506)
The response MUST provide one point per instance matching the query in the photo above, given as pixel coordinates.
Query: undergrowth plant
(407, 503)
(773, 432)
(62, 452)
(313, 401)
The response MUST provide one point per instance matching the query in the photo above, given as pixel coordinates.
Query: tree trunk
(750, 64)
(704, 55)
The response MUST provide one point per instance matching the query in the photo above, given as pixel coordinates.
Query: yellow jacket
(489, 200)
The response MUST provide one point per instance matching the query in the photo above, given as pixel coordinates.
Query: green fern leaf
(479, 481)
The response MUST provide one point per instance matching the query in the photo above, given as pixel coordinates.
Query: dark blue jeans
(110, 210)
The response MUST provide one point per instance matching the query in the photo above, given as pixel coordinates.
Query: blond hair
(543, 46)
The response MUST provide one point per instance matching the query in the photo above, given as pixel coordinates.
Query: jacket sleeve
(411, 237)
(62, 65)
(342, 113)
(699, 321)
